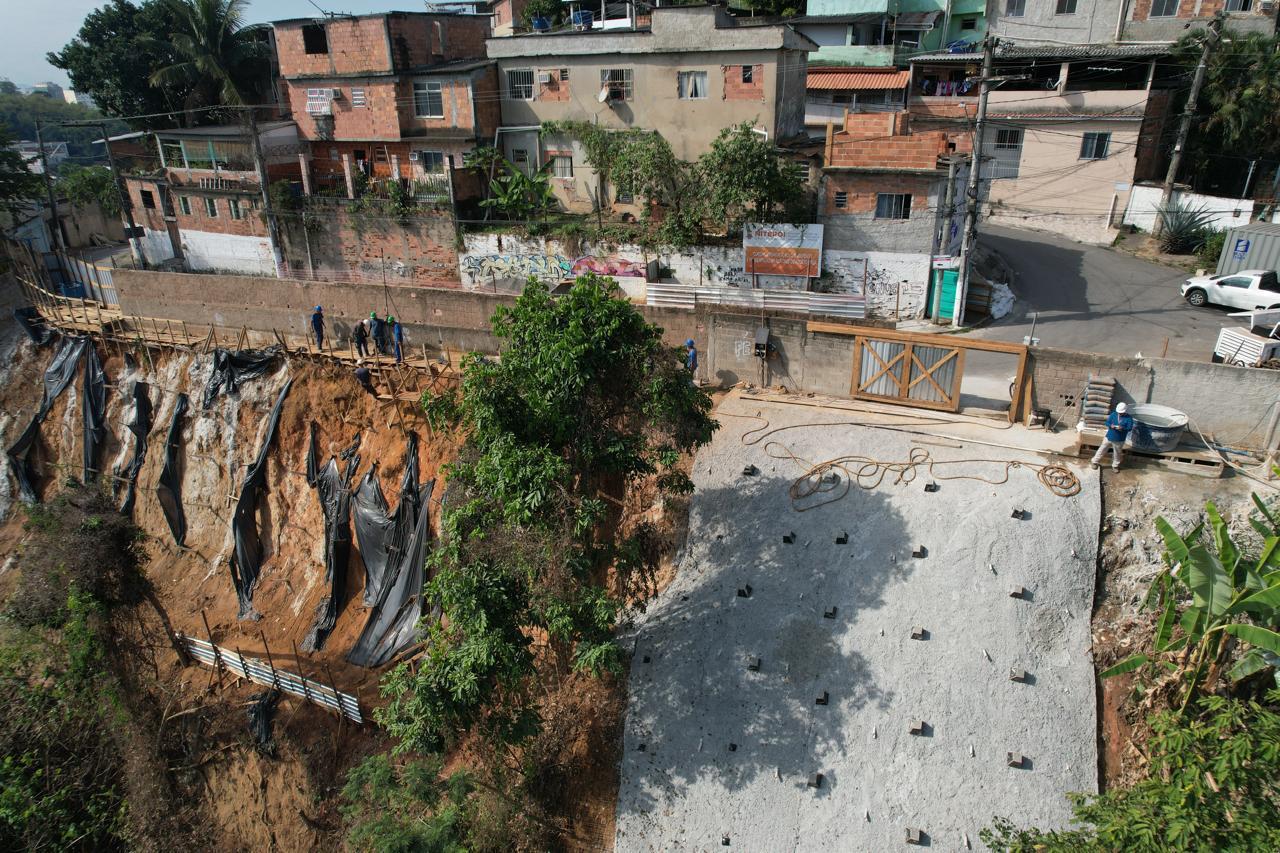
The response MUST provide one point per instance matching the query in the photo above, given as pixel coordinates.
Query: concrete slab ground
(714, 748)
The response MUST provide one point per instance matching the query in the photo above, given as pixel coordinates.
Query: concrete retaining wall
(1227, 212)
(1232, 404)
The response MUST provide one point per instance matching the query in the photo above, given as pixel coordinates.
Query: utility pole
(944, 232)
(273, 231)
(971, 192)
(48, 188)
(1184, 129)
(126, 206)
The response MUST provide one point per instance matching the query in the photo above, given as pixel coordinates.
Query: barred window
(618, 82)
(520, 84)
(320, 102)
(358, 97)
(842, 200)
(893, 206)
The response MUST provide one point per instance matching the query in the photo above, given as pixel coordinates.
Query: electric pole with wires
(971, 192)
(1211, 40)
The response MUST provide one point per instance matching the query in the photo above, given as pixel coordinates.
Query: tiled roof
(841, 81)
(1058, 51)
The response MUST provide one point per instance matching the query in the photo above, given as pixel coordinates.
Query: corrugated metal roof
(850, 80)
(916, 20)
(1083, 51)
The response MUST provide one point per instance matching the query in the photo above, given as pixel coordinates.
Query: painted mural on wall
(516, 268)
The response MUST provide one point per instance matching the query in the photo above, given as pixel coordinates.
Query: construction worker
(386, 332)
(1119, 424)
(397, 336)
(365, 378)
(691, 357)
(360, 337)
(375, 330)
(317, 326)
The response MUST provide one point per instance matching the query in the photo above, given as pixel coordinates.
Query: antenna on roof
(328, 14)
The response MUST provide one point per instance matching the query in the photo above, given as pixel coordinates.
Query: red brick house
(398, 95)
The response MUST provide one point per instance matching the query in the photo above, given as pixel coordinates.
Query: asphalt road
(1099, 300)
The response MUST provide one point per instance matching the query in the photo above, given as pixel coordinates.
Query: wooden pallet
(1185, 460)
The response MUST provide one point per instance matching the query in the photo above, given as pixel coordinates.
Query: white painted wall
(1228, 212)
(894, 283)
(155, 246)
(208, 251)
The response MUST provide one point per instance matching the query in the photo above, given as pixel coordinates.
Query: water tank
(1156, 429)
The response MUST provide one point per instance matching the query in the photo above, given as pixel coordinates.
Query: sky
(29, 29)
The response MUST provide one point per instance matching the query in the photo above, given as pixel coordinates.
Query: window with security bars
(520, 84)
(1094, 146)
(358, 97)
(428, 100)
(1015, 8)
(691, 85)
(618, 82)
(320, 102)
(562, 166)
(841, 200)
(748, 73)
(799, 171)
(1005, 152)
(893, 206)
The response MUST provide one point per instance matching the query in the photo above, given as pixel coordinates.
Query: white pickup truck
(1249, 290)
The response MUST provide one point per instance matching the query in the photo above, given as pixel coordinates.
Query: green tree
(552, 10)
(214, 53)
(1233, 597)
(114, 54)
(21, 112)
(1213, 783)
(747, 179)
(585, 400)
(517, 196)
(1239, 102)
(17, 184)
(90, 185)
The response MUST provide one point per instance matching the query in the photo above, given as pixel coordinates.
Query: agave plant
(1183, 229)
(1224, 586)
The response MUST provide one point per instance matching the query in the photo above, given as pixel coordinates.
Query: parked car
(1250, 290)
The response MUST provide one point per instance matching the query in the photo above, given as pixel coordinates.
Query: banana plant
(1224, 586)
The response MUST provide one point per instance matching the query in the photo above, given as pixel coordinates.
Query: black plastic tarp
(334, 490)
(230, 369)
(262, 707)
(93, 397)
(140, 426)
(246, 562)
(401, 542)
(169, 486)
(33, 324)
(57, 376)
(380, 533)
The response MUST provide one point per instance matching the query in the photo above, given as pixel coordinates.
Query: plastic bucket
(1157, 429)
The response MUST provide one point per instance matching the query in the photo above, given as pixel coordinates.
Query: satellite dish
(604, 94)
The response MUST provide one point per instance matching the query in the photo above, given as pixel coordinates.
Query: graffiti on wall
(489, 269)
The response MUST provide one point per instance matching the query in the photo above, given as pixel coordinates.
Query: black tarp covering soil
(57, 376)
(230, 369)
(246, 562)
(93, 397)
(400, 544)
(169, 486)
(334, 490)
(33, 324)
(140, 426)
(262, 708)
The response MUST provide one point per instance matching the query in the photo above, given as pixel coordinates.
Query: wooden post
(186, 336)
(275, 679)
(244, 667)
(217, 656)
(306, 692)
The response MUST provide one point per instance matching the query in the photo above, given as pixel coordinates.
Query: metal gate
(906, 371)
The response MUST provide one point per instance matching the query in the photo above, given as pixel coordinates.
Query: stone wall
(1231, 404)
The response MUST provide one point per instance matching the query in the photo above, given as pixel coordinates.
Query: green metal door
(944, 281)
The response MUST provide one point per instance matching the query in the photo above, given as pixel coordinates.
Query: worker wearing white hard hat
(1119, 423)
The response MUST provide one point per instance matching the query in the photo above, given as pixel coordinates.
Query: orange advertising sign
(791, 250)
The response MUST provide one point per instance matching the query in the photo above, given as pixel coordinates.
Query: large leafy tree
(1239, 102)
(746, 179)
(17, 184)
(585, 400)
(213, 52)
(1213, 783)
(114, 54)
(21, 112)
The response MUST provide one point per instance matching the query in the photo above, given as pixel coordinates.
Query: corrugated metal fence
(689, 296)
(264, 673)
